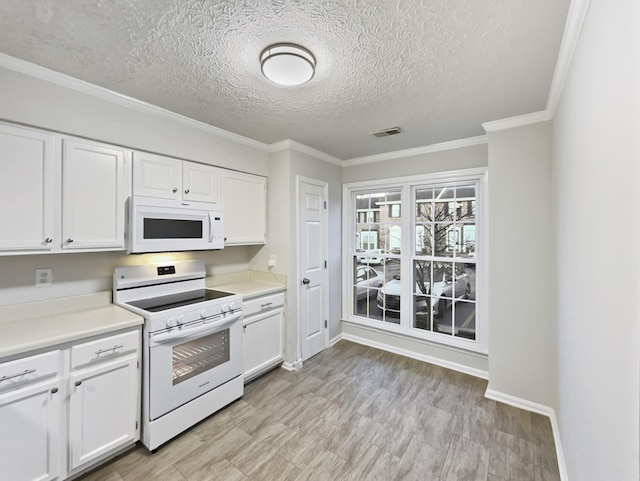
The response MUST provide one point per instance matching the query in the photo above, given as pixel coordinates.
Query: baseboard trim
(539, 409)
(416, 355)
(335, 340)
(292, 366)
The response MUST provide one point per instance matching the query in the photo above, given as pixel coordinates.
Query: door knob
(306, 281)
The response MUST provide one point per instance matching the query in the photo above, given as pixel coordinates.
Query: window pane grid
(441, 221)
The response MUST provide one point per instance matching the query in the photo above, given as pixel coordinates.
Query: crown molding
(517, 121)
(572, 29)
(304, 149)
(63, 80)
(427, 149)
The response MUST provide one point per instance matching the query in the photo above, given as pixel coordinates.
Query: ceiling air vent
(387, 132)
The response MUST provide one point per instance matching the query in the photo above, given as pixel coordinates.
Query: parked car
(367, 282)
(441, 295)
(373, 256)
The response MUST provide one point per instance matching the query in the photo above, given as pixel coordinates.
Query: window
(425, 284)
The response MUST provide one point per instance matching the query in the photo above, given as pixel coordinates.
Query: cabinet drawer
(262, 304)
(29, 369)
(104, 349)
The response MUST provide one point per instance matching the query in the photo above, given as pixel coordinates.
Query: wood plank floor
(354, 413)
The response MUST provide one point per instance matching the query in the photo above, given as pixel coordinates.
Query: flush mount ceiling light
(287, 64)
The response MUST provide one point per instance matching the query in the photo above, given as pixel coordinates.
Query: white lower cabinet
(103, 403)
(263, 334)
(65, 410)
(30, 406)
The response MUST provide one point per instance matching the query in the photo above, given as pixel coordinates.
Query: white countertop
(41, 324)
(251, 288)
(248, 283)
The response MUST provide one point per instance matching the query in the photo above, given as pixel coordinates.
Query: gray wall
(284, 167)
(454, 159)
(596, 154)
(521, 264)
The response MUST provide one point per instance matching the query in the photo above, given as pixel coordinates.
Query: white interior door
(312, 257)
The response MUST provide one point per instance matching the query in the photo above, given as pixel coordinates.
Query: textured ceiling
(436, 68)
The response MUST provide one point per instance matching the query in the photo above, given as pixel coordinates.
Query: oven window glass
(172, 229)
(200, 355)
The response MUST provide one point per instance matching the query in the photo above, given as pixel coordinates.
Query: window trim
(407, 185)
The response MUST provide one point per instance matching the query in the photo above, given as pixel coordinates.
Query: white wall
(596, 154)
(521, 264)
(48, 105)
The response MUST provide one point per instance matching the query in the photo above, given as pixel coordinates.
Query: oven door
(186, 363)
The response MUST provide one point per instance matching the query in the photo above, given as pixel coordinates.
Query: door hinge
(325, 264)
(136, 425)
(325, 204)
(325, 324)
(138, 364)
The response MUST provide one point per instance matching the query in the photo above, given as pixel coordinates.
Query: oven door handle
(163, 337)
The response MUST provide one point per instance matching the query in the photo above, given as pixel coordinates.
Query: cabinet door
(262, 342)
(27, 189)
(30, 444)
(94, 195)
(157, 176)
(245, 208)
(102, 410)
(201, 183)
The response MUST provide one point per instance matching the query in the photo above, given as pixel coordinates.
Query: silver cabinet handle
(69, 240)
(186, 191)
(174, 190)
(48, 240)
(23, 373)
(268, 304)
(306, 281)
(54, 390)
(78, 383)
(114, 348)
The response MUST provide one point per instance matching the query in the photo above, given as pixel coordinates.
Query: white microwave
(167, 225)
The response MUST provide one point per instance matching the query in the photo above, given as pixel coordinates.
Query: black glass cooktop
(171, 301)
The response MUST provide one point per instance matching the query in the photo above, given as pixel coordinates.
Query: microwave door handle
(210, 226)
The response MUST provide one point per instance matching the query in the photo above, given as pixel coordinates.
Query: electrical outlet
(272, 261)
(44, 277)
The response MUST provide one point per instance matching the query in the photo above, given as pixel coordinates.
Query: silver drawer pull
(268, 304)
(23, 373)
(114, 348)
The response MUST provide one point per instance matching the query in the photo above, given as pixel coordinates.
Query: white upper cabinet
(169, 178)
(28, 173)
(201, 183)
(245, 208)
(59, 193)
(157, 176)
(94, 195)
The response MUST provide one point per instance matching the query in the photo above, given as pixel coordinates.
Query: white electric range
(192, 345)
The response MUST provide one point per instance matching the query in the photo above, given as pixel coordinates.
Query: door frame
(325, 250)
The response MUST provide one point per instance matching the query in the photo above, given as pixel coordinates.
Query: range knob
(180, 320)
(232, 306)
(204, 313)
(171, 322)
(224, 308)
